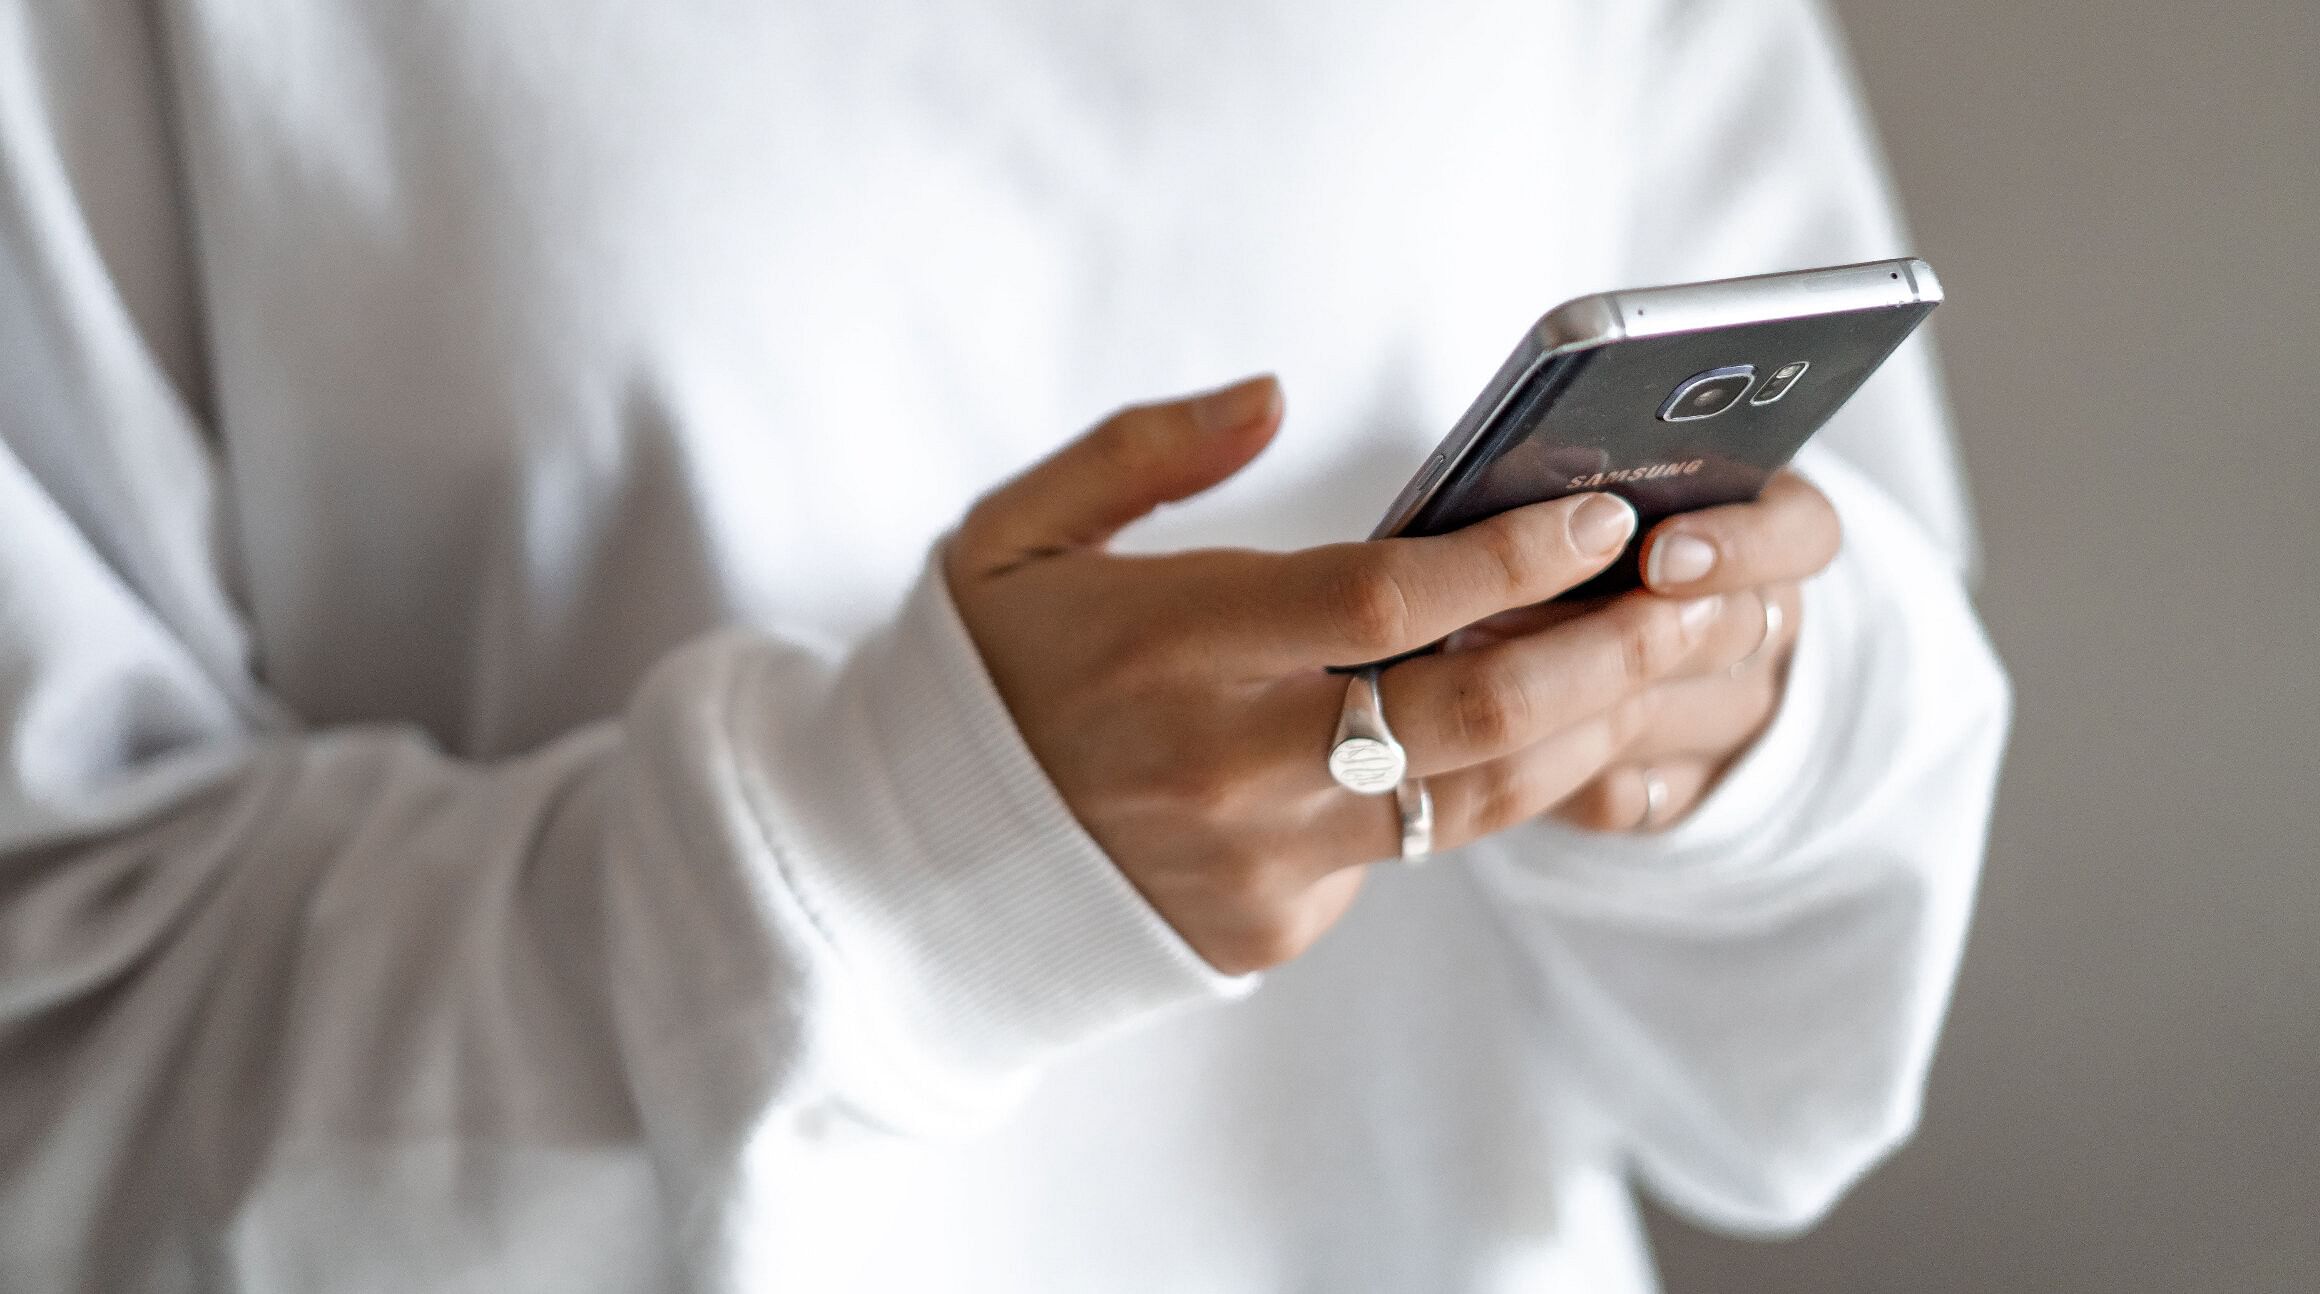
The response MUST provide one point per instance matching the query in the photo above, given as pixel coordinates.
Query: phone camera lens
(1705, 395)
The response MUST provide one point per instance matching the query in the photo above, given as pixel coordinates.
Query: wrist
(982, 921)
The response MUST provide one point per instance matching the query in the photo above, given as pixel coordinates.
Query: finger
(1519, 622)
(1762, 622)
(1344, 604)
(1459, 709)
(1700, 718)
(1752, 625)
(1714, 717)
(1589, 774)
(1337, 828)
(1705, 719)
(1782, 536)
(1474, 803)
(1134, 461)
(1462, 708)
(1640, 797)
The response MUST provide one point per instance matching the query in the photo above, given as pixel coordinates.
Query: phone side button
(1406, 503)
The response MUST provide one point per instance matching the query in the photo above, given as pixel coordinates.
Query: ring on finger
(1773, 616)
(1364, 758)
(1417, 810)
(1655, 799)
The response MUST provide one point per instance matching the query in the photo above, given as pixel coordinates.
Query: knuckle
(1491, 710)
(1503, 800)
(1514, 791)
(982, 537)
(1151, 662)
(1204, 791)
(1130, 439)
(1517, 563)
(1649, 643)
(1373, 604)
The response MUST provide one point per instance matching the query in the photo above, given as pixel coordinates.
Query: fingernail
(1601, 524)
(1680, 559)
(1238, 405)
(1699, 613)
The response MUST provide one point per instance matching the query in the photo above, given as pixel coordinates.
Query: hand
(1687, 731)
(1180, 705)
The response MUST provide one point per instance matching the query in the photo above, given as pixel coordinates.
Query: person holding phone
(550, 740)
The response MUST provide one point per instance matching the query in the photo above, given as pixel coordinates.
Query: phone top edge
(1922, 277)
(1797, 294)
(1578, 324)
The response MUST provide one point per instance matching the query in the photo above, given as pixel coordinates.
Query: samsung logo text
(1648, 473)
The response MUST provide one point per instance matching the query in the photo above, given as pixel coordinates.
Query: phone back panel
(1589, 420)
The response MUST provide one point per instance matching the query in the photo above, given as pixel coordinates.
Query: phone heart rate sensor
(1781, 380)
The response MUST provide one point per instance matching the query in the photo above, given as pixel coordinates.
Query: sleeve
(1750, 1000)
(781, 889)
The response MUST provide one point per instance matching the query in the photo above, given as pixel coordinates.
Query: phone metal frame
(1608, 317)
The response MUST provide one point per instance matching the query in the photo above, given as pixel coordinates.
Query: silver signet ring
(1364, 758)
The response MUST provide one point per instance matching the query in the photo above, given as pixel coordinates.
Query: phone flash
(1782, 378)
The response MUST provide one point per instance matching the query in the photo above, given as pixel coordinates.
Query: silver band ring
(1655, 798)
(1364, 758)
(1417, 807)
(1772, 622)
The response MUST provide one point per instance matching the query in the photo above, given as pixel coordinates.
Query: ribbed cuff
(953, 880)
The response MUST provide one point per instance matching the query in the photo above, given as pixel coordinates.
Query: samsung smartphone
(1673, 398)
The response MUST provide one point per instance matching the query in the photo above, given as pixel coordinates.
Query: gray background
(2121, 198)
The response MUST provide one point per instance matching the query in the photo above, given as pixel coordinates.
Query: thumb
(1132, 462)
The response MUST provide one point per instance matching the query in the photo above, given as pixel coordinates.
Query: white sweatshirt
(488, 801)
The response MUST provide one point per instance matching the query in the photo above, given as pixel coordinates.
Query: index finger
(1347, 604)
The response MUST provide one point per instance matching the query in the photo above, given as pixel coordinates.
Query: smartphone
(1673, 398)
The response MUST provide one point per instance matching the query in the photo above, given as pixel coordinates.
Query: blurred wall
(2124, 202)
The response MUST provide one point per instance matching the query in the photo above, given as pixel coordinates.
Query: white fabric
(481, 806)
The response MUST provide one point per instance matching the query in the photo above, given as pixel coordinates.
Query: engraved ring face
(1367, 766)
